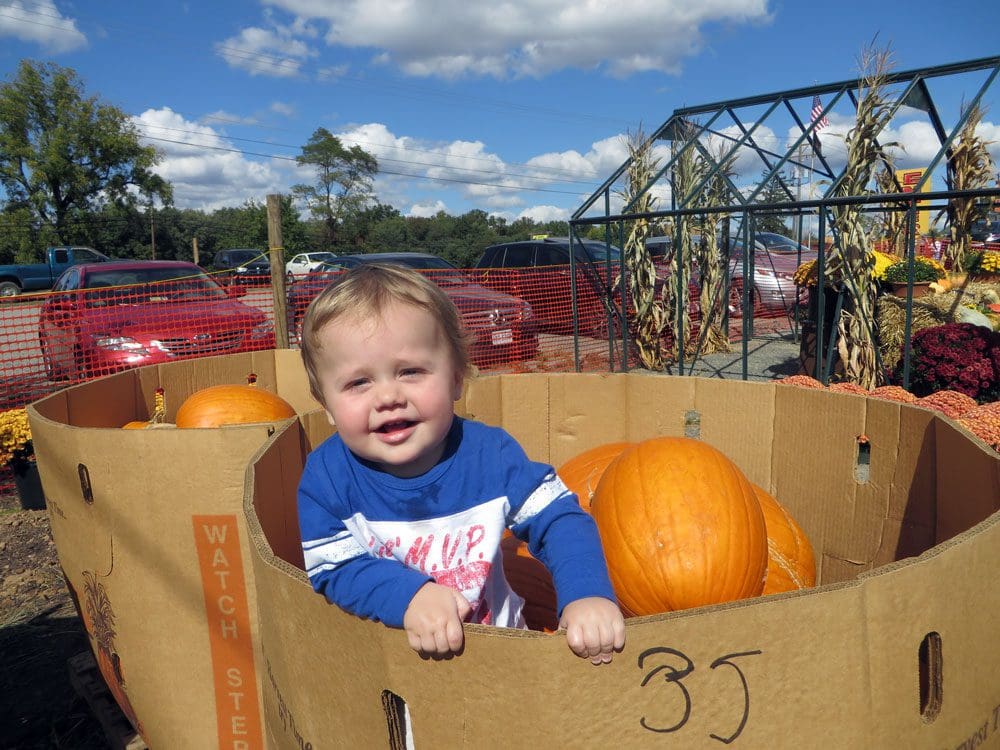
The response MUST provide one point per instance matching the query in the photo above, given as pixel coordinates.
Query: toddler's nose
(388, 394)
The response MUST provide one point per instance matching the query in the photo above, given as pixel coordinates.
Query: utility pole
(797, 222)
(152, 231)
(194, 249)
(277, 255)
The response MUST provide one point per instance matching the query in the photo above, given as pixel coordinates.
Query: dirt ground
(39, 631)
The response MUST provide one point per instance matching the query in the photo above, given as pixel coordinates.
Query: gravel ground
(39, 631)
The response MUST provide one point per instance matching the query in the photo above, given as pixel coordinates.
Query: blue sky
(516, 108)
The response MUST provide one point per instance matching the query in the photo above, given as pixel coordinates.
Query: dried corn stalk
(852, 260)
(970, 167)
(689, 168)
(894, 223)
(650, 315)
(714, 297)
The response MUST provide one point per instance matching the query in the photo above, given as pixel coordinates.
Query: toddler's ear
(329, 418)
(456, 391)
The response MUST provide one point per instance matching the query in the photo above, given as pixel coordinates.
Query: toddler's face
(390, 387)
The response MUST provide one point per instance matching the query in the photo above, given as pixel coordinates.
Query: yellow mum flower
(15, 435)
(990, 262)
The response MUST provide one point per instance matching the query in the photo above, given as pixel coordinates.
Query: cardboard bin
(897, 646)
(149, 529)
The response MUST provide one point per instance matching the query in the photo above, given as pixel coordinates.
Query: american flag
(818, 124)
(817, 110)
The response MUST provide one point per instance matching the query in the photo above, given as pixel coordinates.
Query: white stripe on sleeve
(551, 488)
(327, 554)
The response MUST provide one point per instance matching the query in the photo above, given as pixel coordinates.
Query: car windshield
(598, 252)
(441, 271)
(143, 285)
(313, 257)
(778, 243)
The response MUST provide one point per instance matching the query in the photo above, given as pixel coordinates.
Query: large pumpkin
(582, 472)
(681, 527)
(232, 404)
(532, 581)
(791, 563)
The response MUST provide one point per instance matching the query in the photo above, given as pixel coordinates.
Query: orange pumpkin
(582, 472)
(532, 581)
(232, 404)
(681, 527)
(791, 563)
(136, 425)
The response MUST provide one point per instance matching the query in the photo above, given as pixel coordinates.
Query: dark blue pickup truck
(37, 277)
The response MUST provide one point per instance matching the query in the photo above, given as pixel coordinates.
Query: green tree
(343, 181)
(64, 155)
(773, 192)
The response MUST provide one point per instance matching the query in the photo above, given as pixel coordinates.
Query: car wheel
(9, 289)
(735, 301)
(289, 278)
(600, 328)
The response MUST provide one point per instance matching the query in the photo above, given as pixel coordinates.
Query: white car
(303, 263)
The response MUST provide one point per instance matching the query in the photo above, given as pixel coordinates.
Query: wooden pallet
(89, 684)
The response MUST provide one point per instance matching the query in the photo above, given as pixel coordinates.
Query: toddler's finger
(454, 635)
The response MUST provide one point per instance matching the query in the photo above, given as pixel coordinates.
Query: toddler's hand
(595, 628)
(433, 621)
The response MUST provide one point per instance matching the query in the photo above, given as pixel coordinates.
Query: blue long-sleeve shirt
(371, 540)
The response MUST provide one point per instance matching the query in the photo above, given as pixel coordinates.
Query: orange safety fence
(518, 321)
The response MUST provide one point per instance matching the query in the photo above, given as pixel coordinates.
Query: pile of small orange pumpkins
(219, 405)
(681, 526)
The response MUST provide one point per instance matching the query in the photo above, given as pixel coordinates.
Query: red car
(502, 328)
(106, 317)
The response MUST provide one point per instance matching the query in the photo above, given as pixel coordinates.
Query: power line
(396, 148)
(381, 171)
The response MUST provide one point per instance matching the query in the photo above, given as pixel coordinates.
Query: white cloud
(277, 51)
(282, 108)
(480, 176)
(40, 22)
(203, 176)
(524, 37)
(221, 115)
(545, 213)
(426, 210)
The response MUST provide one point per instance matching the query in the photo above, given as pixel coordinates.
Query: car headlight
(119, 344)
(527, 313)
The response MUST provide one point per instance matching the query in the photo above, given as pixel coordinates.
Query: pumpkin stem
(252, 379)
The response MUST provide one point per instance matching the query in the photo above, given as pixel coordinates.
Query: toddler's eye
(355, 384)
(411, 371)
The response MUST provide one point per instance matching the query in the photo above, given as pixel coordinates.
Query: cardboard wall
(150, 534)
(839, 666)
(836, 666)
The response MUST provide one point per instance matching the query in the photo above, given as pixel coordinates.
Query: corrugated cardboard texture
(838, 666)
(138, 518)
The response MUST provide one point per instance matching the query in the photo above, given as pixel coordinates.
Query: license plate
(505, 336)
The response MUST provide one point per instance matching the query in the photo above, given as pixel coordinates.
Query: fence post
(277, 256)
(194, 250)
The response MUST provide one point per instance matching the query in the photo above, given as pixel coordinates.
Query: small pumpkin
(531, 581)
(232, 404)
(582, 472)
(681, 527)
(791, 562)
(159, 413)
